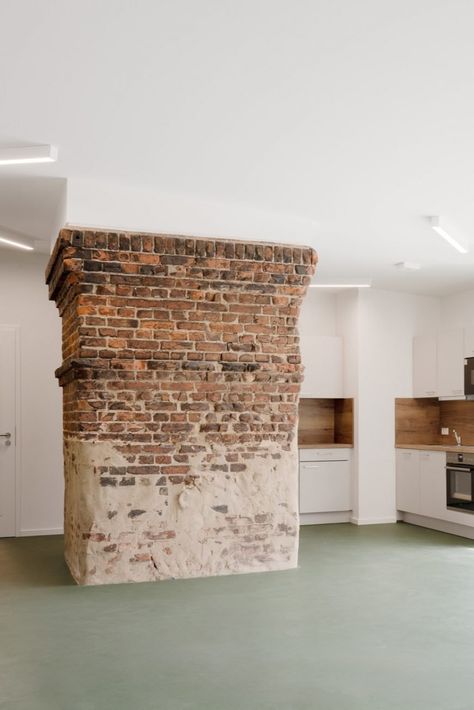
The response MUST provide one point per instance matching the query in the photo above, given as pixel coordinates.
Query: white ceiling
(358, 116)
(29, 207)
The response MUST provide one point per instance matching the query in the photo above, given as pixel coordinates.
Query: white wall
(387, 323)
(103, 204)
(378, 328)
(347, 326)
(318, 313)
(457, 311)
(24, 302)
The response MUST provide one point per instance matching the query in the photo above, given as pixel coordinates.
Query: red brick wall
(181, 377)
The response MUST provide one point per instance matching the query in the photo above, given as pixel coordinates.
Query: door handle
(6, 436)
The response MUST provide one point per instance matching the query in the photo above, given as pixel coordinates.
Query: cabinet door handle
(310, 465)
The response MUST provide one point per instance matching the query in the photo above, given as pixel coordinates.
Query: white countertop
(438, 447)
(329, 446)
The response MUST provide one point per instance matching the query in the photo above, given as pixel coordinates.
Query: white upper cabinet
(438, 362)
(425, 366)
(321, 356)
(451, 363)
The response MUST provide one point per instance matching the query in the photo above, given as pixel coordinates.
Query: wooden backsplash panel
(316, 421)
(417, 421)
(344, 421)
(457, 415)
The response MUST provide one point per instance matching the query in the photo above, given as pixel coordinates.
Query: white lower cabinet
(433, 484)
(325, 480)
(408, 481)
(421, 482)
(421, 490)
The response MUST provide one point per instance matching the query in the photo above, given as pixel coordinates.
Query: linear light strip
(436, 226)
(18, 245)
(340, 285)
(22, 155)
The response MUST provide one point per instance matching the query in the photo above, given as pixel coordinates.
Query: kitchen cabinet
(408, 481)
(451, 363)
(432, 472)
(469, 342)
(425, 366)
(321, 356)
(438, 362)
(421, 482)
(325, 480)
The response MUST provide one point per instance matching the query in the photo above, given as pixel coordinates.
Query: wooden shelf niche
(325, 421)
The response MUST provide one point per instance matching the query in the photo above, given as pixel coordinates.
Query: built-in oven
(460, 481)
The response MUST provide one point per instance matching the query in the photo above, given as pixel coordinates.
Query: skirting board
(322, 518)
(40, 531)
(373, 521)
(441, 525)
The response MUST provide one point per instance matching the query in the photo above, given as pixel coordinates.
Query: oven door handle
(467, 469)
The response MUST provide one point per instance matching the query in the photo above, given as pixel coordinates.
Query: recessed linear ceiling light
(407, 266)
(22, 155)
(344, 285)
(18, 245)
(436, 225)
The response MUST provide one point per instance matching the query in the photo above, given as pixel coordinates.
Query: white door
(8, 339)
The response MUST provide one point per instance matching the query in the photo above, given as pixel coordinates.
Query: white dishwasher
(325, 480)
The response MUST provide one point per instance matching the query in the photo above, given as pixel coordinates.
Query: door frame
(17, 434)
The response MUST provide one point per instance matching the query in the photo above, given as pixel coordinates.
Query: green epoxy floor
(378, 617)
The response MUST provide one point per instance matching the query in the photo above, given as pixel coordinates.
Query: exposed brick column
(181, 378)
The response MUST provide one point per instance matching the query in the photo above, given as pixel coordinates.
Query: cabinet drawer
(324, 454)
(325, 486)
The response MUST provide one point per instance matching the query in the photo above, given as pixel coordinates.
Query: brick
(190, 373)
